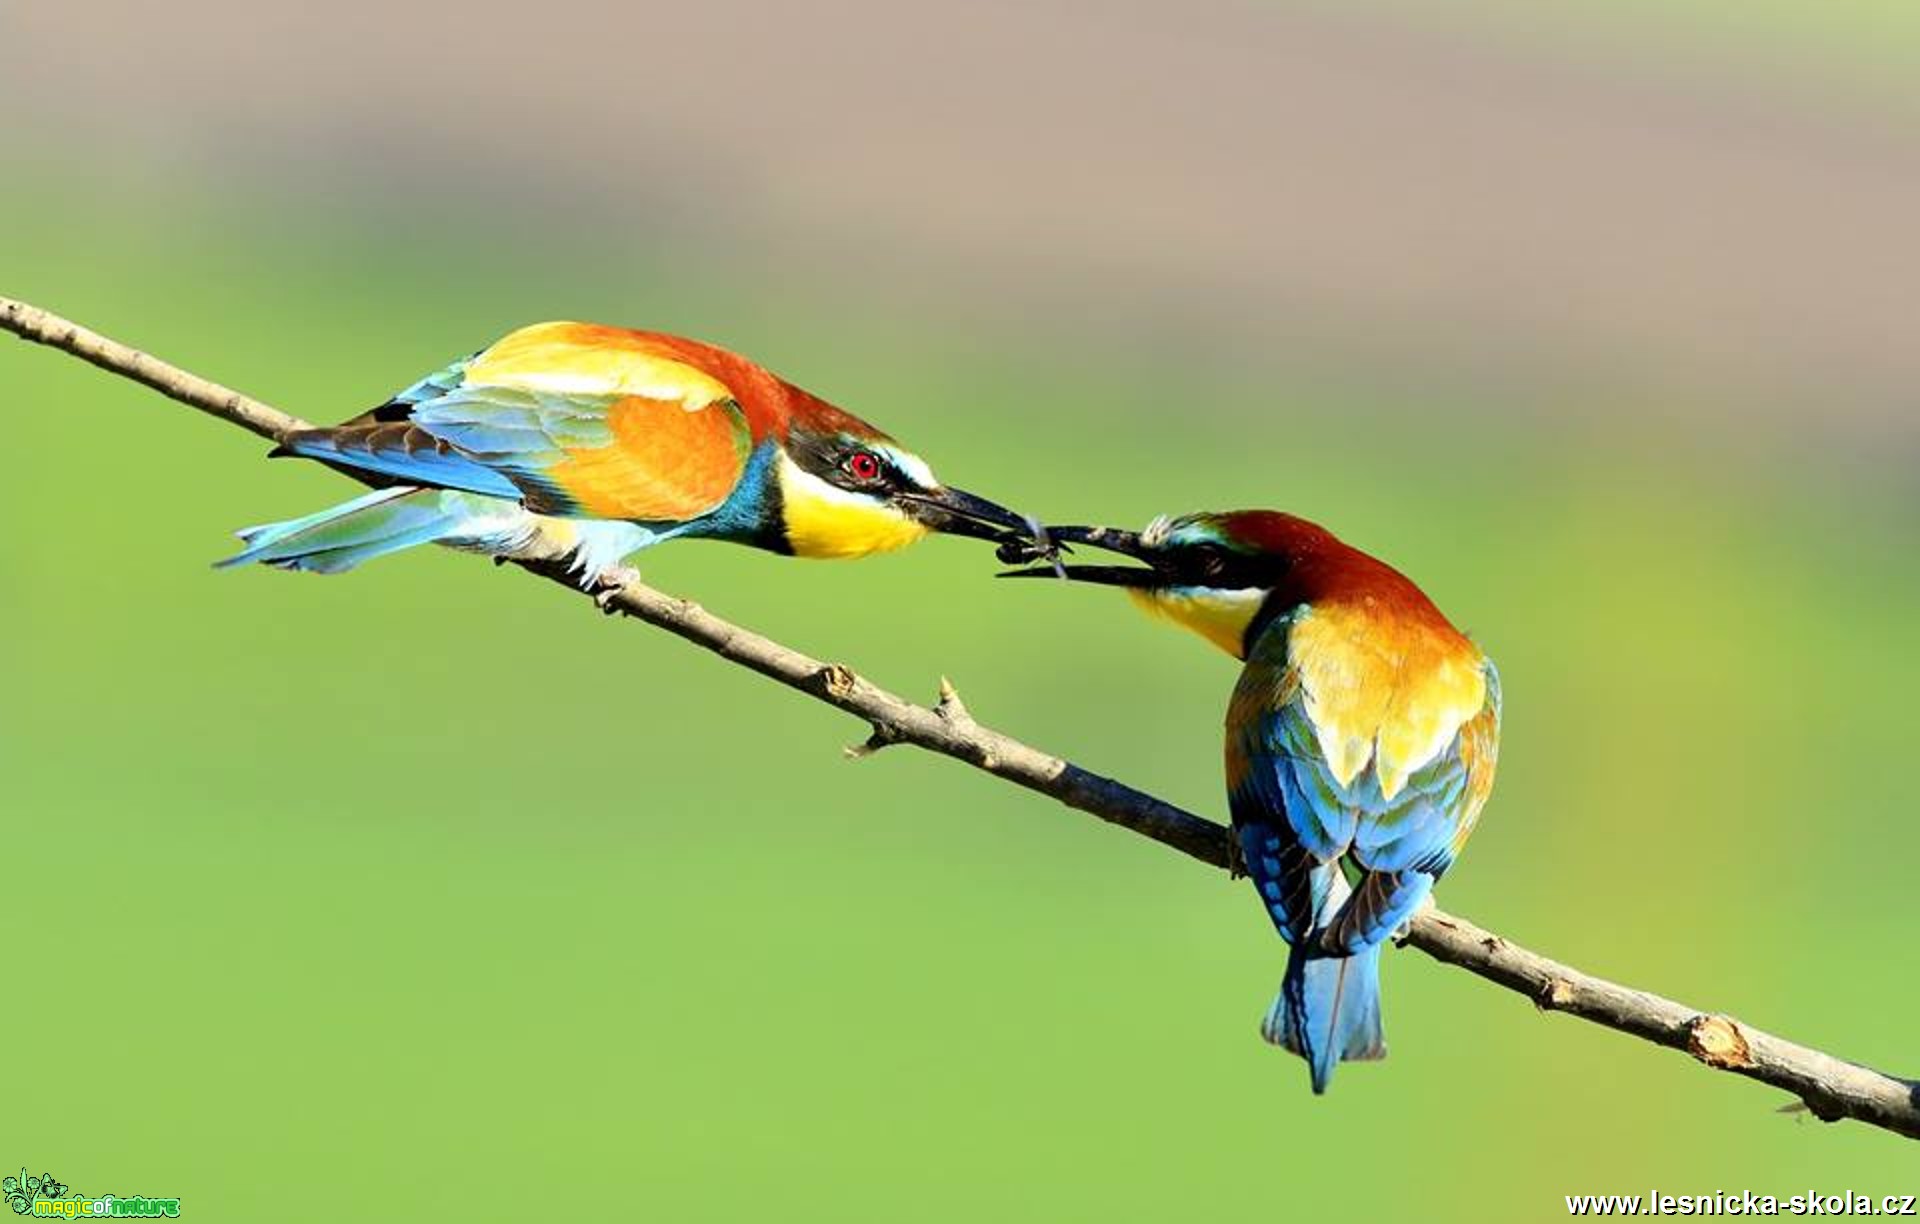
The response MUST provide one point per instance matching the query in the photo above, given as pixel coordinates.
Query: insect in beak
(1058, 539)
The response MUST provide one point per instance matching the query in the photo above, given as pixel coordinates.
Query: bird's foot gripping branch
(1829, 1087)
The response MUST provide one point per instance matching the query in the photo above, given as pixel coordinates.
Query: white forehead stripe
(913, 466)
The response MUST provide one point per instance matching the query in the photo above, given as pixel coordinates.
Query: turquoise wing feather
(499, 441)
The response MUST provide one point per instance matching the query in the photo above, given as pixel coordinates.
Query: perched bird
(1361, 741)
(574, 439)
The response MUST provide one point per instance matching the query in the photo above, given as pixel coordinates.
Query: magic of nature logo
(48, 1197)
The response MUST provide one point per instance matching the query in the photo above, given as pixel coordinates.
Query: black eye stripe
(1209, 564)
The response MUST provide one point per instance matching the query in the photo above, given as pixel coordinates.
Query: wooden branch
(1829, 1087)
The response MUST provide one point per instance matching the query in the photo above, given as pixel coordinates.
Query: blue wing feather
(516, 427)
(433, 386)
(499, 441)
(419, 465)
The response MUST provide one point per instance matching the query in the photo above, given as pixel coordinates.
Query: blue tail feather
(388, 520)
(1328, 1010)
(343, 536)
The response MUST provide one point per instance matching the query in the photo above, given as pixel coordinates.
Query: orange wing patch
(666, 462)
(1383, 691)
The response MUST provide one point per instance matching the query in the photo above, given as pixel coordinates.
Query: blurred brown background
(1550, 210)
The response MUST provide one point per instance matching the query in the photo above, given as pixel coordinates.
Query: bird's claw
(1404, 932)
(1236, 860)
(608, 584)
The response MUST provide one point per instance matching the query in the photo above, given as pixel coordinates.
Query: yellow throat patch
(1219, 616)
(824, 520)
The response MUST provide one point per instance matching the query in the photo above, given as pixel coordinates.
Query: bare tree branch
(1829, 1087)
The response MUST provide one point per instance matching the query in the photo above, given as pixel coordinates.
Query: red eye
(863, 466)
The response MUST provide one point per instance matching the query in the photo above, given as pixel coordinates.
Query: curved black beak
(957, 512)
(1112, 539)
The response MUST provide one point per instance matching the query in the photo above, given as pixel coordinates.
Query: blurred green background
(424, 889)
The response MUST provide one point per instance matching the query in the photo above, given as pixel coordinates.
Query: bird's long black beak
(1112, 539)
(958, 512)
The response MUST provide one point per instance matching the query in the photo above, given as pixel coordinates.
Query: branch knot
(1554, 994)
(1718, 1041)
(836, 680)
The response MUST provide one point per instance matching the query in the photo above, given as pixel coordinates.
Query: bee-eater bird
(1361, 742)
(599, 441)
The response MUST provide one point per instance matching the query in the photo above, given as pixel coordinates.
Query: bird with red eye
(593, 442)
(864, 467)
